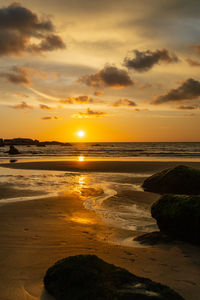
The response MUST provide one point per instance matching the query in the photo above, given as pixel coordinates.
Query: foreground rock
(178, 216)
(13, 150)
(86, 277)
(178, 180)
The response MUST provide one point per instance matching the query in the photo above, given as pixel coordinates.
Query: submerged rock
(86, 277)
(178, 216)
(153, 238)
(178, 180)
(13, 150)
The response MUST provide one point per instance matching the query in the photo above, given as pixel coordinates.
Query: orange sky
(126, 73)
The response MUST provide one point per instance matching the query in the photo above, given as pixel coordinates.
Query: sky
(120, 70)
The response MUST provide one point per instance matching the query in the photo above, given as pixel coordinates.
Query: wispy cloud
(84, 99)
(193, 63)
(22, 106)
(124, 102)
(48, 118)
(45, 107)
(89, 114)
(99, 93)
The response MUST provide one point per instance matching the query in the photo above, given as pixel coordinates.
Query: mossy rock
(178, 180)
(178, 216)
(87, 277)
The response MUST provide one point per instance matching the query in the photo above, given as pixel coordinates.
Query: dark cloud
(49, 43)
(109, 76)
(84, 99)
(188, 90)
(193, 63)
(17, 75)
(18, 25)
(143, 61)
(90, 114)
(45, 107)
(21, 75)
(23, 105)
(50, 118)
(124, 102)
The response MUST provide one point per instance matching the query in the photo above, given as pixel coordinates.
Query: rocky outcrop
(13, 150)
(85, 277)
(178, 216)
(178, 180)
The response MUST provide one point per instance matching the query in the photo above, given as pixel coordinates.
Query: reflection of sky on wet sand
(81, 220)
(122, 209)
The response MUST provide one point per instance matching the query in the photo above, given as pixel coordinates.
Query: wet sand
(35, 234)
(100, 166)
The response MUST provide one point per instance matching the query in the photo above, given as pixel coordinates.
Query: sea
(117, 151)
(115, 197)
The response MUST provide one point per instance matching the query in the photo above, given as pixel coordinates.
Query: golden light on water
(81, 133)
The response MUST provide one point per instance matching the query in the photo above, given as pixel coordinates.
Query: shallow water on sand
(115, 197)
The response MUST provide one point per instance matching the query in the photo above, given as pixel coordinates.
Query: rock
(178, 216)
(13, 160)
(178, 180)
(85, 277)
(153, 238)
(13, 150)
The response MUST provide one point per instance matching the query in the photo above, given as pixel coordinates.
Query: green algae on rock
(178, 216)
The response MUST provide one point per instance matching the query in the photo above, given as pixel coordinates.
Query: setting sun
(81, 133)
(81, 158)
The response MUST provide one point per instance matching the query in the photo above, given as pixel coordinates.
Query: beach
(36, 233)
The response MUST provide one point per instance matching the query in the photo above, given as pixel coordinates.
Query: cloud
(188, 90)
(196, 47)
(99, 93)
(50, 118)
(144, 86)
(23, 105)
(19, 26)
(142, 110)
(89, 114)
(21, 75)
(109, 76)
(84, 99)
(143, 61)
(22, 95)
(188, 107)
(45, 107)
(124, 102)
(193, 63)
(17, 75)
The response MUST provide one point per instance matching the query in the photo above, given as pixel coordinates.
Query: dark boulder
(13, 150)
(178, 180)
(87, 277)
(178, 216)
